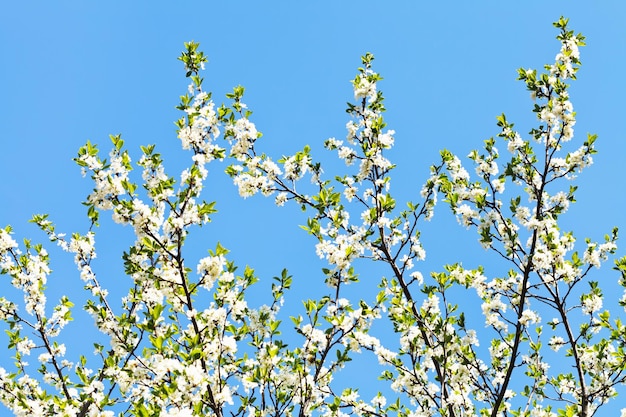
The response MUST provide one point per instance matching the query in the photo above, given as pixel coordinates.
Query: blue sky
(77, 71)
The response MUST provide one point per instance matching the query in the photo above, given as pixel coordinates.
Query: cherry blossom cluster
(188, 340)
(546, 268)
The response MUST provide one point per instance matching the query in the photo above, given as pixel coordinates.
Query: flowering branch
(185, 340)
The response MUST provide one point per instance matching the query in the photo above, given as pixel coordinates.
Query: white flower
(529, 317)
(515, 143)
(431, 305)
(364, 88)
(417, 276)
(556, 343)
(24, 346)
(315, 336)
(281, 198)
(591, 304)
(59, 350)
(211, 268)
(229, 344)
(379, 401)
(466, 215)
(347, 154)
(386, 139)
(6, 241)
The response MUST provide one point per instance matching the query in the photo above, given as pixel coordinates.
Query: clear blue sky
(73, 71)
